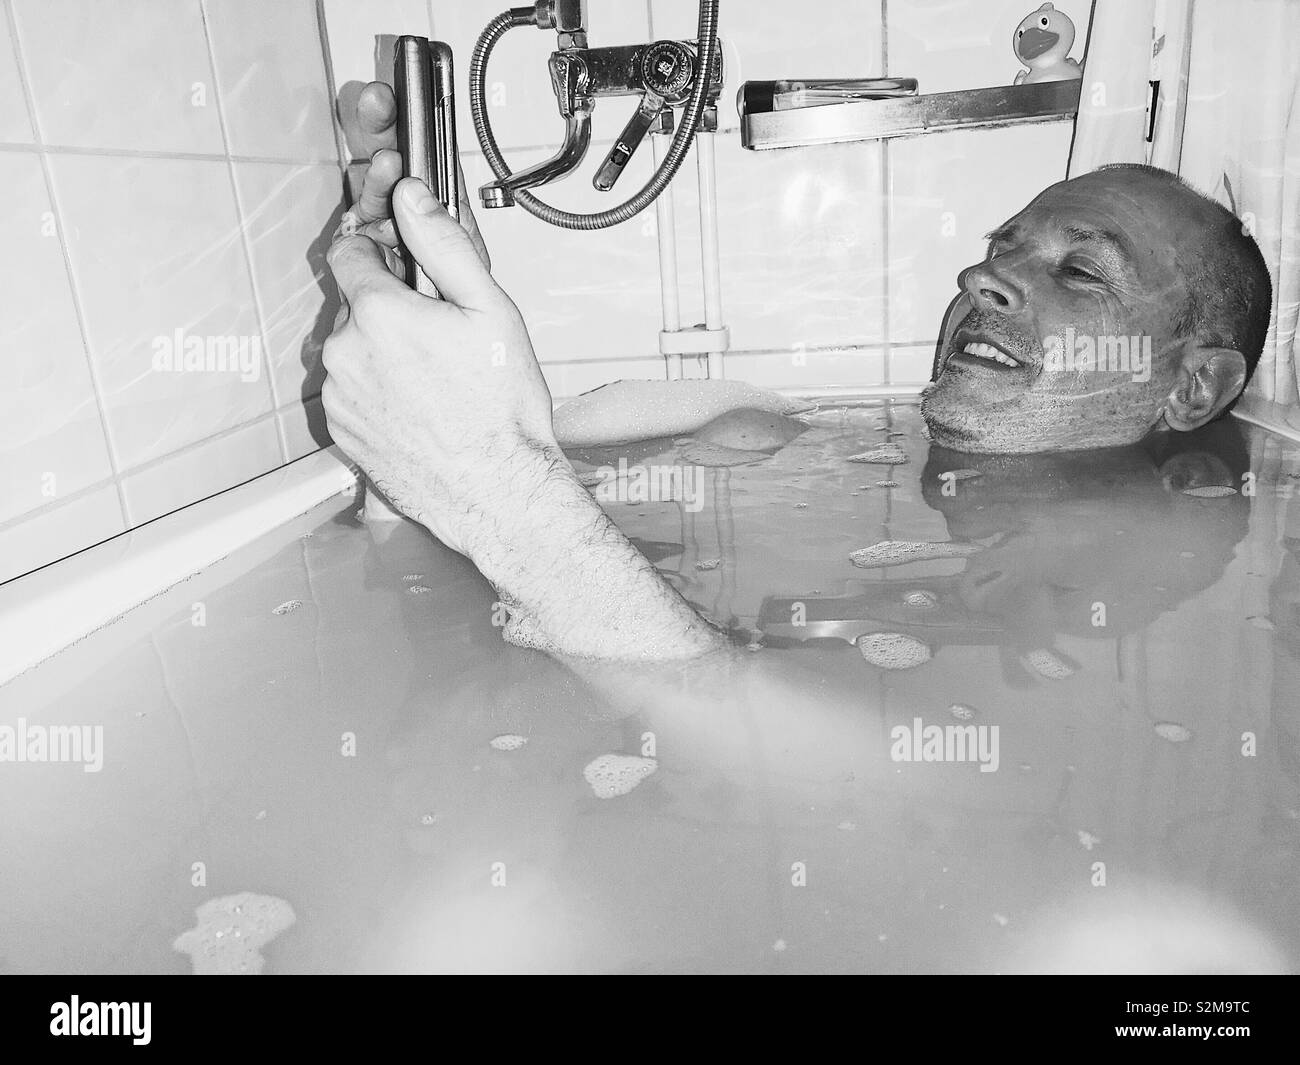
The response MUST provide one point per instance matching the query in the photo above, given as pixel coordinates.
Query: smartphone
(426, 129)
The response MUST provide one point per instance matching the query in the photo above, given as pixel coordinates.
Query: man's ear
(1208, 380)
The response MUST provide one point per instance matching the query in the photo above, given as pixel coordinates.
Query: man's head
(1112, 303)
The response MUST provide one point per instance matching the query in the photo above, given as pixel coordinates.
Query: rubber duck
(1042, 42)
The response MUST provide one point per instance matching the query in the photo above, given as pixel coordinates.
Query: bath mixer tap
(664, 74)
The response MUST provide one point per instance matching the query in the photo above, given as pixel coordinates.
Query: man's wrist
(572, 581)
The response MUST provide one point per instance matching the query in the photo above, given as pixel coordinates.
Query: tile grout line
(242, 221)
(331, 87)
(154, 153)
(886, 183)
(74, 288)
(146, 467)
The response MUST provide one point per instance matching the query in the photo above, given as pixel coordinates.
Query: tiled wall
(837, 261)
(172, 165)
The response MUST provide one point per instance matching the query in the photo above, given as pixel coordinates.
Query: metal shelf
(911, 116)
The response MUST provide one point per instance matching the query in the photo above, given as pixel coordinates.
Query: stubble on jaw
(1045, 423)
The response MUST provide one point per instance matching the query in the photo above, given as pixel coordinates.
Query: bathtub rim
(53, 607)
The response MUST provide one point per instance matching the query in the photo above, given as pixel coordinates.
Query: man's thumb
(439, 244)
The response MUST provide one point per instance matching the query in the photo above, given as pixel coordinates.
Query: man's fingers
(382, 232)
(441, 246)
(467, 218)
(384, 172)
(361, 272)
(377, 115)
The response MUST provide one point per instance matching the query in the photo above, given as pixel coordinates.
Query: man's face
(1064, 337)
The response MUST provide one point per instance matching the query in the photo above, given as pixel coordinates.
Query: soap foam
(1173, 732)
(230, 932)
(507, 742)
(899, 552)
(893, 650)
(1211, 491)
(885, 455)
(1048, 664)
(612, 775)
(287, 607)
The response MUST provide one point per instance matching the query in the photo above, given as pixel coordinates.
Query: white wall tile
(15, 123)
(948, 45)
(947, 191)
(168, 256)
(120, 74)
(210, 467)
(800, 237)
(911, 364)
(290, 213)
(302, 428)
(769, 39)
(569, 379)
(51, 437)
(583, 294)
(271, 77)
(51, 534)
(850, 368)
(353, 27)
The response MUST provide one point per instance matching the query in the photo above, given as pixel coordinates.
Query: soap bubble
(899, 552)
(1173, 732)
(1048, 664)
(612, 775)
(893, 650)
(230, 932)
(885, 455)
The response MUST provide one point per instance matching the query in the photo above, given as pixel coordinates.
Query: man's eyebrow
(1088, 235)
(1005, 232)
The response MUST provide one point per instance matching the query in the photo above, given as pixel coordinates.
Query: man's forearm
(573, 583)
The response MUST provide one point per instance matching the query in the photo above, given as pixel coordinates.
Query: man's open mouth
(971, 352)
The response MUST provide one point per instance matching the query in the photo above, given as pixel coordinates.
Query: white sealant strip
(50, 608)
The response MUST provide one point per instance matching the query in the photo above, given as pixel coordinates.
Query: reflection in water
(775, 833)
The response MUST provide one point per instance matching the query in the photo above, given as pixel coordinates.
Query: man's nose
(991, 289)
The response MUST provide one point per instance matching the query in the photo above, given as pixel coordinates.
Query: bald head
(1116, 303)
(1229, 294)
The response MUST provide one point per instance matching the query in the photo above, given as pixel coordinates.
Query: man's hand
(376, 125)
(441, 402)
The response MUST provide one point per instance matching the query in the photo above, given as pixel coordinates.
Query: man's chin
(957, 424)
(1023, 425)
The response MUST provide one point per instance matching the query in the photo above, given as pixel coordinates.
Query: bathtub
(1065, 742)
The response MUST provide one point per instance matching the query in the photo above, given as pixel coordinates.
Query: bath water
(330, 720)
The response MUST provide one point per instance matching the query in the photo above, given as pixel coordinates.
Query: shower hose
(707, 34)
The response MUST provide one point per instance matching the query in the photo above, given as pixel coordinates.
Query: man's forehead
(1124, 204)
(1133, 219)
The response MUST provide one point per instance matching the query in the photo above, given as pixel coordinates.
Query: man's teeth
(988, 351)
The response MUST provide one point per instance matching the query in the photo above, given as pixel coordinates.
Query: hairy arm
(572, 582)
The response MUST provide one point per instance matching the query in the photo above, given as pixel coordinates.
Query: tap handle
(643, 120)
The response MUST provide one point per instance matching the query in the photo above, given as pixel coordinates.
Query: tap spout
(577, 138)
